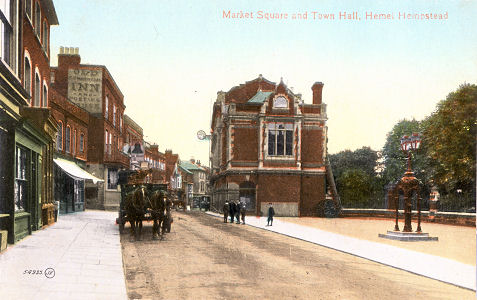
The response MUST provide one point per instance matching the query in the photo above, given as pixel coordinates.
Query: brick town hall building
(267, 145)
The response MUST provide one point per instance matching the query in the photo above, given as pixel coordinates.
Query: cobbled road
(204, 258)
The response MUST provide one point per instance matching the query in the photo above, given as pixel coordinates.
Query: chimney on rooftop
(69, 56)
(192, 160)
(317, 89)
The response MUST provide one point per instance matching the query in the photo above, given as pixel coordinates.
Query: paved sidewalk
(431, 266)
(84, 251)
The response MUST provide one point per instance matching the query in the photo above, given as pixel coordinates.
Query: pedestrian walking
(243, 211)
(226, 209)
(232, 211)
(237, 212)
(271, 213)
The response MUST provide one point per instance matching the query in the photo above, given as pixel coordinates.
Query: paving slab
(432, 266)
(84, 251)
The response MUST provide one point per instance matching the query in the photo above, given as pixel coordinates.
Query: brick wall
(313, 192)
(312, 146)
(39, 58)
(245, 144)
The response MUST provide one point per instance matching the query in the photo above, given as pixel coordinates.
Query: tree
(362, 159)
(356, 180)
(450, 140)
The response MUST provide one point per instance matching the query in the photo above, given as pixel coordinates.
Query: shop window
(21, 184)
(280, 139)
(67, 139)
(112, 178)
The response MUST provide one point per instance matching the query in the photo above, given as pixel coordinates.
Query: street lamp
(409, 184)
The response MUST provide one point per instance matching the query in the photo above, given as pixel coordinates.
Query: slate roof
(259, 97)
(190, 166)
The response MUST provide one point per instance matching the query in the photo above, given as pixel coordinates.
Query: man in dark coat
(271, 213)
(237, 212)
(243, 211)
(232, 212)
(226, 211)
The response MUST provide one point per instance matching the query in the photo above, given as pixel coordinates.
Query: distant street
(205, 258)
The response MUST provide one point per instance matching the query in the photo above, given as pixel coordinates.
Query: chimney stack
(317, 89)
(68, 56)
(192, 160)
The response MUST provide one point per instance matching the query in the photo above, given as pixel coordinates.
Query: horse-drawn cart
(143, 202)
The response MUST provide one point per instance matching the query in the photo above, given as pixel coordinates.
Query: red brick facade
(69, 115)
(269, 146)
(36, 50)
(105, 129)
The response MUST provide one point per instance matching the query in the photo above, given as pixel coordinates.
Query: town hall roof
(260, 97)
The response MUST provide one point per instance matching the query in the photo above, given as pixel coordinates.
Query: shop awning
(74, 170)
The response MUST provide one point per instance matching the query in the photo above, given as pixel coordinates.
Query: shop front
(70, 185)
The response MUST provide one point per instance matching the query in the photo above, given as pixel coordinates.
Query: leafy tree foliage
(356, 178)
(395, 161)
(450, 140)
(362, 159)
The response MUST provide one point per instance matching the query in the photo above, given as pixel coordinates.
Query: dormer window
(280, 102)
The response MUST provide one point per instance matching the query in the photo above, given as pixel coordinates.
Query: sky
(170, 58)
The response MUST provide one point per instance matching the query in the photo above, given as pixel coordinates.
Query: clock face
(201, 134)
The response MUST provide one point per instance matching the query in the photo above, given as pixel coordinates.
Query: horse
(135, 210)
(157, 204)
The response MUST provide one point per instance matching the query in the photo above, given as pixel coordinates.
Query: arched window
(27, 76)
(44, 39)
(68, 139)
(59, 136)
(114, 115)
(106, 106)
(37, 100)
(74, 142)
(37, 19)
(45, 95)
(106, 136)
